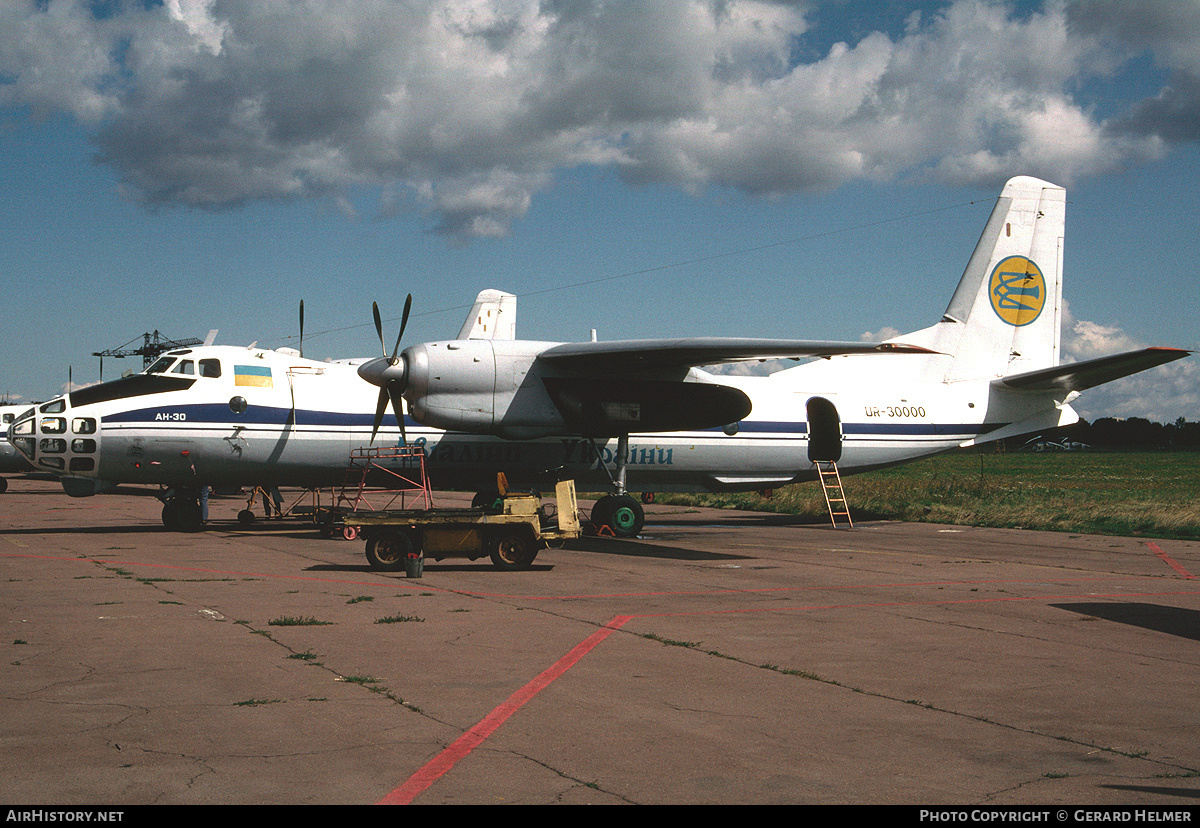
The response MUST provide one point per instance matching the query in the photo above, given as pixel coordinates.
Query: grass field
(1155, 494)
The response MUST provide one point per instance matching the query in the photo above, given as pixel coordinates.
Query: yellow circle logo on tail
(1017, 290)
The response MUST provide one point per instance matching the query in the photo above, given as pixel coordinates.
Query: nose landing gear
(182, 511)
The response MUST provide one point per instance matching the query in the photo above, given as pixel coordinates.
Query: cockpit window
(185, 366)
(132, 386)
(54, 407)
(210, 367)
(161, 366)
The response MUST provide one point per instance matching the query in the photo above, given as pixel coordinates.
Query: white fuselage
(225, 416)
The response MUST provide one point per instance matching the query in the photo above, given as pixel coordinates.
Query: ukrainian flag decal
(254, 375)
(1017, 290)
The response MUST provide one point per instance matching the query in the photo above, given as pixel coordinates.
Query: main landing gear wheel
(620, 513)
(490, 500)
(182, 514)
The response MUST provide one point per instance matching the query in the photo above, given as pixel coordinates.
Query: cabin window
(53, 445)
(83, 445)
(83, 425)
(8, 418)
(54, 425)
(210, 367)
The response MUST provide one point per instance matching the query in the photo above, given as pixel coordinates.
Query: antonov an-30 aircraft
(610, 414)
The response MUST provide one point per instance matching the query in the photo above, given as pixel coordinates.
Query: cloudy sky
(810, 169)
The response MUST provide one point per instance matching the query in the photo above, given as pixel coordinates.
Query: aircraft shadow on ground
(634, 548)
(431, 567)
(135, 529)
(732, 519)
(608, 546)
(1177, 621)
(1187, 793)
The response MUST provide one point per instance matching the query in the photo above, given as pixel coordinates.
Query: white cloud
(471, 107)
(882, 335)
(196, 15)
(1162, 394)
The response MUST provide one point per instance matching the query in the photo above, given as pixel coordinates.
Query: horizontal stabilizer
(1079, 376)
(685, 353)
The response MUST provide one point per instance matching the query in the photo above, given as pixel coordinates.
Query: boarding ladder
(835, 497)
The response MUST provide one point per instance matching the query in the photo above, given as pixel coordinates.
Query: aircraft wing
(685, 353)
(1079, 376)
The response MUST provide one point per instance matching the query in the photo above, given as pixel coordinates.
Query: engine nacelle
(499, 387)
(481, 386)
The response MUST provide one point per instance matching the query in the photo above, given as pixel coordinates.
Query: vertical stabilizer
(1005, 316)
(493, 317)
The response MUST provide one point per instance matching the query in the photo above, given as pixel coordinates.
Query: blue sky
(808, 170)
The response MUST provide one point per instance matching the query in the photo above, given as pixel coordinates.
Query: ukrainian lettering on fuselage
(578, 451)
(574, 452)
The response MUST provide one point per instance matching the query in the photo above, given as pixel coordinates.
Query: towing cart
(511, 532)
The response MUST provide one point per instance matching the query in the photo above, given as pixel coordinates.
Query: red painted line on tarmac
(1154, 547)
(441, 764)
(445, 761)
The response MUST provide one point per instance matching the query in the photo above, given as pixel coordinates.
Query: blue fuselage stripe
(211, 416)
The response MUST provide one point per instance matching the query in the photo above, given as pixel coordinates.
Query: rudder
(1007, 310)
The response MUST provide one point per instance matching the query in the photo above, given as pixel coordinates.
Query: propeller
(388, 373)
(301, 327)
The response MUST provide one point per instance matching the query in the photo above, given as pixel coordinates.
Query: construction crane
(153, 344)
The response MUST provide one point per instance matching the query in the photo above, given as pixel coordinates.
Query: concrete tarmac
(724, 657)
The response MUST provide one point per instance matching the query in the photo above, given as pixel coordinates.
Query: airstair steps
(835, 496)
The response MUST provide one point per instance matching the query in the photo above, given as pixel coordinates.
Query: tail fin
(493, 317)
(1005, 316)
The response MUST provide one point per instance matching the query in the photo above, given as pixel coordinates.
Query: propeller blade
(301, 327)
(398, 410)
(380, 408)
(379, 327)
(403, 325)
